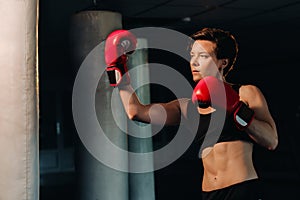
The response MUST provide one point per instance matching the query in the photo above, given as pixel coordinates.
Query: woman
(229, 171)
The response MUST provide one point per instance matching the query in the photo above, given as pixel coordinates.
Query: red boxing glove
(118, 45)
(211, 88)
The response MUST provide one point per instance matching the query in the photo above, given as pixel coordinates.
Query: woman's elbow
(132, 115)
(273, 144)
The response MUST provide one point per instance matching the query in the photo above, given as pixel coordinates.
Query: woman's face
(204, 61)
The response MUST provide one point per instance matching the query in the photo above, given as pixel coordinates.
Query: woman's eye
(200, 55)
(203, 56)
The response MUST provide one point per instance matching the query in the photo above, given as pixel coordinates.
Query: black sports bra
(208, 132)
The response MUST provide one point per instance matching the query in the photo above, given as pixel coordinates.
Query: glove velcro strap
(113, 76)
(117, 77)
(202, 104)
(243, 116)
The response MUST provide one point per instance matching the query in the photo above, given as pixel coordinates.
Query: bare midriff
(227, 163)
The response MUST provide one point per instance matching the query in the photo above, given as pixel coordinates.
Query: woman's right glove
(210, 88)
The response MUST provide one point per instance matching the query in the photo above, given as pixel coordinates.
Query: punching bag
(95, 179)
(19, 163)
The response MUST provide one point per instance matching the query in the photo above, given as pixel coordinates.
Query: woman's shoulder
(250, 93)
(249, 89)
(244, 87)
(246, 91)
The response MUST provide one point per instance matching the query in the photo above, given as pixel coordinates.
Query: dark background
(268, 37)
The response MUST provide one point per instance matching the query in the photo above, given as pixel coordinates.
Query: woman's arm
(263, 128)
(155, 113)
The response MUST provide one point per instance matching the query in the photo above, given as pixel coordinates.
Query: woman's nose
(194, 62)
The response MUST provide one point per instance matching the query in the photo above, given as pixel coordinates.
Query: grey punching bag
(97, 180)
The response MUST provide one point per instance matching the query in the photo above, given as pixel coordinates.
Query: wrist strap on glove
(243, 116)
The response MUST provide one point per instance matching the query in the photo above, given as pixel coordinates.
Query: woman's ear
(225, 62)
